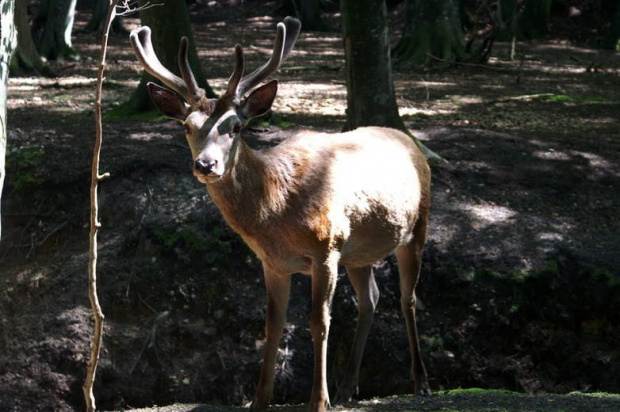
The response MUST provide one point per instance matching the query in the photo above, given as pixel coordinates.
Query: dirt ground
(519, 290)
(462, 401)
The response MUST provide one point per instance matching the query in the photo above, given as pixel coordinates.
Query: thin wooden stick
(94, 222)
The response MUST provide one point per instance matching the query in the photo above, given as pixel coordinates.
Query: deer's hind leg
(367, 293)
(409, 259)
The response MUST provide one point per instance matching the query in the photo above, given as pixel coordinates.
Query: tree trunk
(8, 41)
(26, 59)
(310, 14)
(528, 19)
(308, 11)
(534, 21)
(432, 28)
(97, 20)
(55, 42)
(611, 39)
(169, 21)
(371, 100)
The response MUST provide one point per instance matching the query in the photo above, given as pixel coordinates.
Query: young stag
(312, 203)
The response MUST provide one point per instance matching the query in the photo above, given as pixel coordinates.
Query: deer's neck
(255, 189)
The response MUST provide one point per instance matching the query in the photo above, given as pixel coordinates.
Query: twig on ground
(151, 340)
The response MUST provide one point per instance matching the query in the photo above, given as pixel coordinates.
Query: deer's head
(213, 126)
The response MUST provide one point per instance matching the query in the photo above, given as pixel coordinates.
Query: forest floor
(519, 290)
(472, 400)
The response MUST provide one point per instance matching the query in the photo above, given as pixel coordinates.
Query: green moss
(271, 119)
(470, 391)
(22, 164)
(184, 237)
(213, 248)
(577, 99)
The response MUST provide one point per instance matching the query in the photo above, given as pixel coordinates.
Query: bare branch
(128, 7)
(96, 177)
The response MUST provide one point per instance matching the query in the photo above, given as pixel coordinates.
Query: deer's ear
(260, 100)
(168, 102)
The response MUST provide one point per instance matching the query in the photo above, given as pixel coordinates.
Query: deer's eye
(236, 128)
(188, 128)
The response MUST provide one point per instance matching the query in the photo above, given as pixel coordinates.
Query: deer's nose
(204, 167)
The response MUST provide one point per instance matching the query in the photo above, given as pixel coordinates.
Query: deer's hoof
(319, 405)
(424, 392)
(422, 388)
(344, 395)
(258, 406)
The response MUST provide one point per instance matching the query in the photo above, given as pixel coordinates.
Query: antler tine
(268, 68)
(194, 93)
(233, 82)
(143, 47)
(293, 27)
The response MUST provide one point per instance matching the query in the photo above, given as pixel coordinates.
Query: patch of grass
(271, 119)
(190, 240)
(480, 391)
(214, 248)
(577, 99)
(23, 162)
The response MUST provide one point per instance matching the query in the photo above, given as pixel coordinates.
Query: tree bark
(308, 11)
(98, 18)
(26, 59)
(310, 14)
(55, 42)
(169, 21)
(611, 38)
(8, 41)
(534, 21)
(523, 20)
(432, 29)
(371, 100)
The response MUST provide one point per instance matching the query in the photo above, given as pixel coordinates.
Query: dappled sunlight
(462, 99)
(550, 237)
(596, 163)
(225, 52)
(408, 110)
(312, 99)
(60, 103)
(484, 215)
(553, 58)
(294, 97)
(403, 85)
(565, 47)
(149, 136)
(551, 154)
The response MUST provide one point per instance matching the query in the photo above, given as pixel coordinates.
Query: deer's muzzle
(205, 167)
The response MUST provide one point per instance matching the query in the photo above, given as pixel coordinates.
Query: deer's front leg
(324, 277)
(278, 289)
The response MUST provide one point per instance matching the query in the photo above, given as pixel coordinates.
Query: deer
(312, 203)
